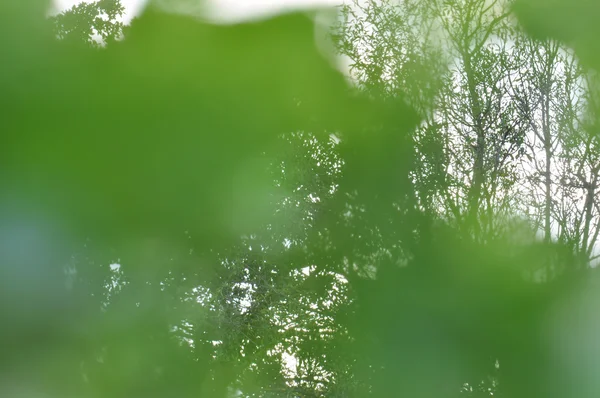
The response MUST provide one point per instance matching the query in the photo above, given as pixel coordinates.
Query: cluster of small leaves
(94, 24)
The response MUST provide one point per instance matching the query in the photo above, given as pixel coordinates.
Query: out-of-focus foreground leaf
(179, 112)
(574, 23)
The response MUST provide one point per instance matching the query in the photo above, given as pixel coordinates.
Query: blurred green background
(381, 199)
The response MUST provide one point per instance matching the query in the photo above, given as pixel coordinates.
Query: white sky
(225, 10)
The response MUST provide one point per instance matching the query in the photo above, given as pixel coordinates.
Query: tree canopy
(190, 209)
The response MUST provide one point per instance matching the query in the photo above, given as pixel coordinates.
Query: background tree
(93, 24)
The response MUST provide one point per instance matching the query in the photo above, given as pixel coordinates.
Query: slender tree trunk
(480, 147)
(546, 84)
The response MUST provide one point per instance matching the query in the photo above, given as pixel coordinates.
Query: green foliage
(190, 209)
(82, 22)
(573, 23)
